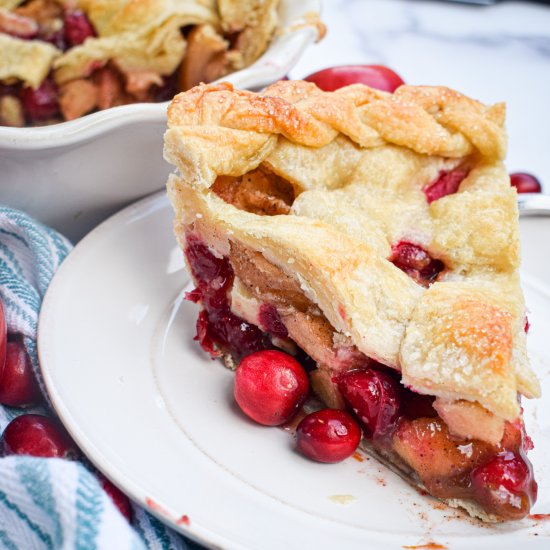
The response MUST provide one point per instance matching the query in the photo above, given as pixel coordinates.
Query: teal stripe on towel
(89, 508)
(44, 537)
(35, 476)
(7, 542)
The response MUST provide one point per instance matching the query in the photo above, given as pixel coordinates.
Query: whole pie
(363, 231)
(63, 59)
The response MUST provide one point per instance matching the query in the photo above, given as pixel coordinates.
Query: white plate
(157, 417)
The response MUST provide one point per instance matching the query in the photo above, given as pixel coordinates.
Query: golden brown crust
(359, 161)
(432, 121)
(455, 325)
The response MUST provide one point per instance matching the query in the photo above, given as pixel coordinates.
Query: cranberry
(18, 386)
(217, 326)
(234, 334)
(416, 262)
(193, 296)
(37, 435)
(204, 336)
(270, 387)
(328, 435)
(446, 183)
(77, 27)
(41, 103)
(374, 398)
(525, 183)
(505, 485)
(3, 338)
(270, 319)
(120, 500)
(375, 76)
(206, 267)
(527, 325)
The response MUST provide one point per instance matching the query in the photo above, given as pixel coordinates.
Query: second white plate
(158, 418)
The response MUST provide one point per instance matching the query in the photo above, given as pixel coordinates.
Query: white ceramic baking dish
(74, 174)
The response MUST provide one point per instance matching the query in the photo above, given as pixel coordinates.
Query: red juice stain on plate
(184, 520)
(156, 507)
(428, 546)
(539, 517)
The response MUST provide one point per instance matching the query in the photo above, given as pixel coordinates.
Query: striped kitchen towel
(47, 502)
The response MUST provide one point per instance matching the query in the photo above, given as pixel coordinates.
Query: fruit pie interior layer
(249, 304)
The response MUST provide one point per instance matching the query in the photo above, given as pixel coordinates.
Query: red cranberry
(416, 262)
(77, 27)
(374, 398)
(206, 267)
(375, 76)
(18, 386)
(193, 296)
(505, 485)
(217, 326)
(3, 338)
(233, 334)
(41, 103)
(446, 183)
(204, 337)
(525, 183)
(37, 435)
(270, 319)
(270, 387)
(328, 435)
(120, 500)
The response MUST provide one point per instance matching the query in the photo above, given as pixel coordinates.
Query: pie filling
(208, 57)
(249, 304)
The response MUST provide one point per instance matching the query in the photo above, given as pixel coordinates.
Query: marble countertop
(495, 53)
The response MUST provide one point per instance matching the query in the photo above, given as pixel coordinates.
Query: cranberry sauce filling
(404, 424)
(416, 262)
(40, 104)
(270, 319)
(447, 183)
(217, 326)
(77, 27)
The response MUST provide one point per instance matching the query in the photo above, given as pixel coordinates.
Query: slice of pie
(364, 231)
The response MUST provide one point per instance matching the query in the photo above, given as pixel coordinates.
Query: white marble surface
(496, 53)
